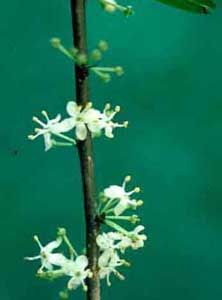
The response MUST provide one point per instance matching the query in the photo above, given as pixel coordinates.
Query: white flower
(77, 270)
(133, 239)
(106, 122)
(50, 127)
(106, 241)
(82, 118)
(108, 262)
(48, 259)
(119, 192)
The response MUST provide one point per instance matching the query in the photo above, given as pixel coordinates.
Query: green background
(171, 94)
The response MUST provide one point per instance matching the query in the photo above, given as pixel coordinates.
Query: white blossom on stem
(134, 239)
(107, 240)
(119, 192)
(82, 118)
(106, 122)
(53, 126)
(49, 259)
(78, 272)
(108, 262)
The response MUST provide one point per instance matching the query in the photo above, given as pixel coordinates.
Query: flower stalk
(85, 151)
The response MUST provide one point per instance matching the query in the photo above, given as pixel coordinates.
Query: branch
(85, 151)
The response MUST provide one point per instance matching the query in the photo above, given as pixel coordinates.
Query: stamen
(125, 124)
(31, 137)
(139, 203)
(37, 130)
(117, 108)
(36, 239)
(137, 189)
(127, 178)
(107, 107)
(44, 113)
(85, 287)
(36, 120)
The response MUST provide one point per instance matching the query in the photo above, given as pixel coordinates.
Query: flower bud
(103, 45)
(96, 55)
(119, 71)
(55, 42)
(81, 59)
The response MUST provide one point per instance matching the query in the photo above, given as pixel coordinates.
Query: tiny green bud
(96, 55)
(102, 197)
(103, 45)
(64, 294)
(105, 77)
(119, 71)
(55, 42)
(61, 231)
(81, 59)
(74, 51)
(134, 219)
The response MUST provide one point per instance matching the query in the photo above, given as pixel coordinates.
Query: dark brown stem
(85, 151)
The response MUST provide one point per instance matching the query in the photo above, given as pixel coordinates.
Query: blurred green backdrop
(171, 94)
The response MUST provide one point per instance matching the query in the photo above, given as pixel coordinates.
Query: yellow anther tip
(117, 108)
(125, 124)
(137, 190)
(140, 202)
(127, 178)
(55, 42)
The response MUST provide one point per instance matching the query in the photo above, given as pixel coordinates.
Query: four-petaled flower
(133, 239)
(108, 262)
(49, 259)
(81, 119)
(53, 126)
(119, 192)
(106, 122)
(107, 241)
(78, 271)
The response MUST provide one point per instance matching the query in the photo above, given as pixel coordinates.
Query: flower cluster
(55, 265)
(82, 119)
(89, 62)
(114, 201)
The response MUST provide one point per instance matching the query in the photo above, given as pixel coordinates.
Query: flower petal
(56, 119)
(81, 262)
(94, 127)
(53, 245)
(81, 131)
(109, 131)
(72, 108)
(47, 141)
(138, 228)
(114, 192)
(64, 126)
(120, 208)
(73, 283)
(57, 259)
